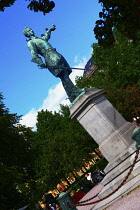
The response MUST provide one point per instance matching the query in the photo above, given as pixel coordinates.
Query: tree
(118, 73)
(15, 158)
(121, 14)
(44, 6)
(63, 146)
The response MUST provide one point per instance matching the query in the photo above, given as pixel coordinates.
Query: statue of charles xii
(54, 61)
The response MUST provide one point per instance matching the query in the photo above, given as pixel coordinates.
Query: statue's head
(28, 32)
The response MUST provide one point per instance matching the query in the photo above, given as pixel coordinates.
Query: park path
(129, 201)
(94, 191)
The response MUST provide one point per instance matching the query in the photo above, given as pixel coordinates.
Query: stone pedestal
(108, 128)
(103, 122)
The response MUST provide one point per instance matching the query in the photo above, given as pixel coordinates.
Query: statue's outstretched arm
(34, 54)
(47, 35)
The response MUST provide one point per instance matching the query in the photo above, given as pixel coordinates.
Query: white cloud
(78, 72)
(76, 59)
(29, 119)
(56, 96)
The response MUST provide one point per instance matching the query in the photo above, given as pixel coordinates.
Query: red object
(78, 196)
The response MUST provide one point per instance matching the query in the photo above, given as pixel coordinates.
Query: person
(94, 178)
(89, 177)
(54, 61)
(100, 174)
(52, 207)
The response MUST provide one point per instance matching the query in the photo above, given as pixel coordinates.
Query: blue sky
(26, 88)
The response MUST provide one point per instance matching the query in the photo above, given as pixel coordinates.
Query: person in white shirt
(89, 178)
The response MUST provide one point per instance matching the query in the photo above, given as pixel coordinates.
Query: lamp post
(65, 200)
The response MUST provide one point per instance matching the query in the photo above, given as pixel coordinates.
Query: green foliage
(15, 158)
(118, 74)
(126, 101)
(4, 4)
(120, 63)
(44, 6)
(101, 164)
(63, 145)
(121, 14)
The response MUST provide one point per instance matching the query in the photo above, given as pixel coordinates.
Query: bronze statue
(54, 61)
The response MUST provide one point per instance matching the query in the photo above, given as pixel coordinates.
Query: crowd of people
(95, 177)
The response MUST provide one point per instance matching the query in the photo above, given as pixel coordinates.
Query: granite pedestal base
(117, 174)
(110, 131)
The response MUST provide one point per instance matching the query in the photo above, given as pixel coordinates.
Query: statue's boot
(71, 90)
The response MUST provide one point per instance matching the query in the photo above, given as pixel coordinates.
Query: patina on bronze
(54, 61)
